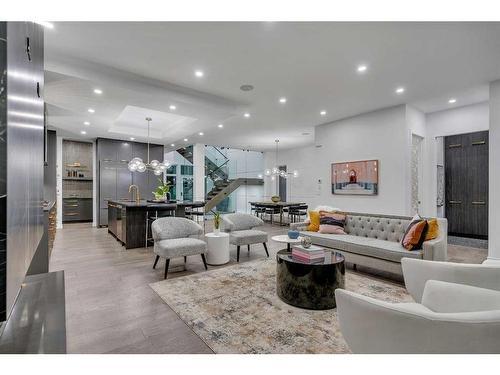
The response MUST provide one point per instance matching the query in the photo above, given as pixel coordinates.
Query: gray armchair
(172, 240)
(241, 231)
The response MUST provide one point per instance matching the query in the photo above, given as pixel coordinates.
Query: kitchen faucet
(137, 196)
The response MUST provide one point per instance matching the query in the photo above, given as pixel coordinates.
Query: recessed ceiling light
(83, 132)
(247, 115)
(91, 110)
(172, 107)
(172, 145)
(452, 100)
(282, 100)
(220, 126)
(98, 91)
(198, 73)
(132, 138)
(400, 90)
(48, 25)
(362, 68)
(200, 133)
(86, 123)
(322, 113)
(185, 139)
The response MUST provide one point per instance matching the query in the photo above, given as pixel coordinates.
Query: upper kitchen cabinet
(124, 151)
(107, 149)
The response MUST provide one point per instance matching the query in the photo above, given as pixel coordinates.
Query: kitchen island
(127, 219)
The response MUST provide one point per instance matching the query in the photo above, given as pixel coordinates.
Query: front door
(466, 184)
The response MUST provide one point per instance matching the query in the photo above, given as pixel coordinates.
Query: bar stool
(195, 213)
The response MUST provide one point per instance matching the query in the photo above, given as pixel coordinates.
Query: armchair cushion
(444, 297)
(178, 247)
(247, 237)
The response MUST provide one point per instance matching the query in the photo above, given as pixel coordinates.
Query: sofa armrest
(417, 272)
(436, 249)
(444, 297)
(299, 226)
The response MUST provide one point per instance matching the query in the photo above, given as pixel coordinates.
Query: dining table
(280, 205)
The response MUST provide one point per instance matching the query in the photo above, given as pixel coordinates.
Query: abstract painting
(355, 177)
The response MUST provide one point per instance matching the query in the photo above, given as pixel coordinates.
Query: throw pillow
(415, 234)
(433, 231)
(314, 224)
(332, 222)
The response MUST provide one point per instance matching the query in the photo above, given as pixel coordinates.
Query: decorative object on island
(275, 198)
(161, 191)
(293, 234)
(217, 223)
(276, 170)
(306, 242)
(137, 165)
(355, 177)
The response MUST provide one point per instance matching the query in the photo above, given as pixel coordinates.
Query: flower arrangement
(217, 222)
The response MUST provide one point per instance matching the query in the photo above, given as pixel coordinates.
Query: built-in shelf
(77, 178)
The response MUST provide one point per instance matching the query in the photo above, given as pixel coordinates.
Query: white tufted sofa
(375, 241)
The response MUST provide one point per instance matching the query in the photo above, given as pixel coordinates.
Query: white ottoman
(217, 248)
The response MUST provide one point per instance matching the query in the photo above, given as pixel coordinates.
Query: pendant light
(137, 165)
(276, 171)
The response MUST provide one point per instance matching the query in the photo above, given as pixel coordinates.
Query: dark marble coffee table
(306, 285)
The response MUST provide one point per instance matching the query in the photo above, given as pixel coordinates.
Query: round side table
(217, 248)
(285, 239)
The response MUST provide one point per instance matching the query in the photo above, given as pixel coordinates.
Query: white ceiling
(151, 65)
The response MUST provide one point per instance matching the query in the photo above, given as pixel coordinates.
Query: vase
(306, 242)
(216, 231)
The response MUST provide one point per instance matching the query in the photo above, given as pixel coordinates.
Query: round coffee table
(306, 285)
(285, 239)
(217, 248)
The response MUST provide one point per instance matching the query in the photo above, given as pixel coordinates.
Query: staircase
(216, 167)
(223, 189)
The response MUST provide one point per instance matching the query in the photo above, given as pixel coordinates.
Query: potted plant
(162, 190)
(217, 223)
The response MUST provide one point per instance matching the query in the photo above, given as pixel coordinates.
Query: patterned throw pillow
(415, 234)
(314, 223)
(433, 231)
(331, 222)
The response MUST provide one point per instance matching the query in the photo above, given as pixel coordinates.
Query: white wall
(460, 120)
(494, 174)
(382, 135)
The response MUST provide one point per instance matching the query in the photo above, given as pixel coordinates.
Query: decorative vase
(217, 231)
(275, 198)
(306, 242)
(293, 234)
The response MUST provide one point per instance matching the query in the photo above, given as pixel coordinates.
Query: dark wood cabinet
(77, 209)
(466, 184)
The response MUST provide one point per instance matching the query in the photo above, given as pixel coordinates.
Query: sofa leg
(265, 248)
(248, 247)
(204, 261)
(354, 266)
(185, 259)
(156, 261)
(167, 262)
(237, 253)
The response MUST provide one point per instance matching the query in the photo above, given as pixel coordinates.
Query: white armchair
(452, 318)
(417, 272)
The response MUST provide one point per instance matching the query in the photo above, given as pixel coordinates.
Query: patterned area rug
(236, 310)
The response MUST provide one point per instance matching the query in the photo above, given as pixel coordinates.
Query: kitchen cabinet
(77, 209)
(113, 175)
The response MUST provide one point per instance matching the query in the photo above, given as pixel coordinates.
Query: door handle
(455, 145)
(477, 143)
(478, 202)
(455, 202)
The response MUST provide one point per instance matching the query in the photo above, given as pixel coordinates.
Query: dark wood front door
(466, 181)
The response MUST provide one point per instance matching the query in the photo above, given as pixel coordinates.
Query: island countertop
(147, 205)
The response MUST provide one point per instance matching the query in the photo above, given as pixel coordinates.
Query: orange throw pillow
(314, 224)
(415, 235)
(433, 231)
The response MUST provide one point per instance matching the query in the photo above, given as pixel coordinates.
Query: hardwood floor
(110, 307)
